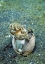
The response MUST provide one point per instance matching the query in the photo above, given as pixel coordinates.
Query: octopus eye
(22, 32)
(30, 31)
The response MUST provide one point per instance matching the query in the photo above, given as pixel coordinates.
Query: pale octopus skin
(21, 36)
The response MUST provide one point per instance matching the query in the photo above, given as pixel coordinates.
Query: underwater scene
(14, 14)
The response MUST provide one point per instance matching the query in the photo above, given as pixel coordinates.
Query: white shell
(17, 44)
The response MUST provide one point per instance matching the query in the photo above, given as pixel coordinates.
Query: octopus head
(18, 31)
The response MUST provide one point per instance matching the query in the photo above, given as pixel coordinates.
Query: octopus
(23, 40)
(18, 31)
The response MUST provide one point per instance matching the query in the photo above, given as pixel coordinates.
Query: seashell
(17, 44)
(28, 48)
(23, 47)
